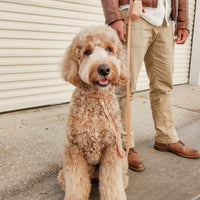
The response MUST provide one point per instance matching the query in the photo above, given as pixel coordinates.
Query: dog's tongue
(104, 82)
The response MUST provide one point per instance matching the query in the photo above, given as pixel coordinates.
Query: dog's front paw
(61, 179)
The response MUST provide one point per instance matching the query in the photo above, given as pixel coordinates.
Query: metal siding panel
(85, 2)
(22, 84)
(31, 52)
(21, 17)
(32, 91)
(66, 12)
(28, 76)
(183, 53)
(32, 44)
(25, 26)
(34, 37)
(75, 5)
(27, 69)
(29, 60)
(34, 101)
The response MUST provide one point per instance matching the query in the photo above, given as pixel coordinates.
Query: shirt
(156, 16)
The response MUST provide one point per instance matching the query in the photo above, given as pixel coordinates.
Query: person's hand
(182, 36)
(120, 27)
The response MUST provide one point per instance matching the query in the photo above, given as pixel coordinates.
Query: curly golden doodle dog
(95, 64)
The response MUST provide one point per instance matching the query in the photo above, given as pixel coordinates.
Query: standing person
(152, 40)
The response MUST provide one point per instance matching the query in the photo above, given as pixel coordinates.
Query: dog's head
(96, 58)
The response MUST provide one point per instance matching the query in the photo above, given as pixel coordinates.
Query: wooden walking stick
(134, 12)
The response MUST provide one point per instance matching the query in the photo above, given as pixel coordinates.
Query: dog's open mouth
(102, 83)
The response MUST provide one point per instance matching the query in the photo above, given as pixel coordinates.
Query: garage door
(33, 38)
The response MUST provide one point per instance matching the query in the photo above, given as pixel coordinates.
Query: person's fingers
(179, 36)
(120, 28)
(178, 39)
(121, 35)
(185, 35)
(182, 36)
(124, 33)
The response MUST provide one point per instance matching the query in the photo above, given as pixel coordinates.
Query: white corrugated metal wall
(33, 37)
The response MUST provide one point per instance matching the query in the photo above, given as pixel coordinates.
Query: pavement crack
(192, 110)
(186, 108)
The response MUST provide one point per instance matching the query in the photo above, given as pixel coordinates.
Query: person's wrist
(116, 21)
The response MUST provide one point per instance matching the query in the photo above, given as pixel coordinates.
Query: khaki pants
(155, 46)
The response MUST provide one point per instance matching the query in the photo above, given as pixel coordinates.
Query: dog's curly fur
(90, 148)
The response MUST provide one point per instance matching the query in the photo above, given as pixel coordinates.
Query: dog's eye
(88, 52)
(108, 49)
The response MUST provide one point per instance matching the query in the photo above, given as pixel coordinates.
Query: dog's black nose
(103, 70)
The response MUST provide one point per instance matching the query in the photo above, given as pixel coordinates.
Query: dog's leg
(111, 181)
(61, 179)
(76, 175)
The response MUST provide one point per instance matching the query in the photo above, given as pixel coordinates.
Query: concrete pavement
(31, 146)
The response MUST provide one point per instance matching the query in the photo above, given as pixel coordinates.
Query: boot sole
(136, 169)
(166, 150)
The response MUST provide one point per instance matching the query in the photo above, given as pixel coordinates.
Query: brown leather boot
(178, 148)
(134, 161)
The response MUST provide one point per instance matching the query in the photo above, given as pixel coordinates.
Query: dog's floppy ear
(123, 77)
(70, 67)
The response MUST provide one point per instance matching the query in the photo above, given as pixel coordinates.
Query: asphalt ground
(31, 146)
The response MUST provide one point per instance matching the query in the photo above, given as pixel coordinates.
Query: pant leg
(141, 39)
(159, 62)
